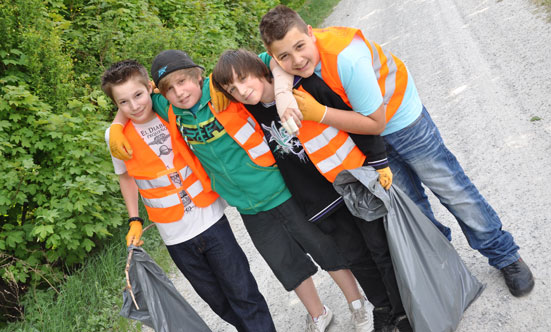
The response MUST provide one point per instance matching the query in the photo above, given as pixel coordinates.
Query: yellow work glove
(134, 234)
(154, 87)
(218, 100)
(385, 177)
(310, 108)
(118, 144)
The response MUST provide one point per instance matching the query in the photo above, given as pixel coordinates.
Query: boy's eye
(283, 57)
(299, 46)
(231, 90)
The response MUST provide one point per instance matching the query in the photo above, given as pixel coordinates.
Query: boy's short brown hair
(277, 22)
(120, 72)
(243, 62)
(194, 74)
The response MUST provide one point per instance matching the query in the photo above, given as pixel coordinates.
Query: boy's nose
(241, 89)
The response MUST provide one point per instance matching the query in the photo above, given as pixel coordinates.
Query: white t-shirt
(195, 220)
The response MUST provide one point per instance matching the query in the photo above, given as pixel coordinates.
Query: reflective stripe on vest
(163, 202)
(321, 141)
(330, 150)
(159, 182)
(245, 131)
(391, 73)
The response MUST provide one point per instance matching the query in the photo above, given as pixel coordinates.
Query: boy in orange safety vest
(379, 88)
(177, 195)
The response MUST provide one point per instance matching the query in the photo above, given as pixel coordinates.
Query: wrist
(324, 114)
(131, 219)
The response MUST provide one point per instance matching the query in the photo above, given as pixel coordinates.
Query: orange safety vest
(160, 195)
(244, 130)
(392, 75)
(331, 150)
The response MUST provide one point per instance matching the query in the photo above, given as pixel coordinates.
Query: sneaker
(518, 278)
(402, 324)
(382, 320)
(321, 323)
(360, 316)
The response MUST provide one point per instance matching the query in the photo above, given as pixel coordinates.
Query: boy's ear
(311, 33)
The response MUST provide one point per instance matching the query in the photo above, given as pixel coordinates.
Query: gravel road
(482, 69)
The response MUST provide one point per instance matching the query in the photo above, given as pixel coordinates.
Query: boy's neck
(268, 96)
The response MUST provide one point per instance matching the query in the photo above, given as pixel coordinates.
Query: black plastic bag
(162, 307)
(435, 285)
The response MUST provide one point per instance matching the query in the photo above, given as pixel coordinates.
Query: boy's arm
(352, 122)
(129, 191)
(286, 104)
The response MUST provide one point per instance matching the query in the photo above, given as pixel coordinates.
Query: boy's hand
(310, 108)
(289, 121)
(385, 177)
(118, 144)
(134, 234)
(154, 87)
(218, 100)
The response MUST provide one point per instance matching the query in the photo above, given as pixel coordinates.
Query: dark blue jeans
(417, 156)
(218, 270)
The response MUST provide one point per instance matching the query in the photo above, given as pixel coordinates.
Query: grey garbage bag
(435, 285)
(162, 307)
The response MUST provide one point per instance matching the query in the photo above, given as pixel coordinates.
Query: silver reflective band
(159, 182)
(390, 80)
(195, 189)
(321, 140)
(185, 172)
(244, 133)
(335, 160)
(164, 202)
(259, 150)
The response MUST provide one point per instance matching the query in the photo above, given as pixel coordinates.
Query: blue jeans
(417, 155)
(218, 270)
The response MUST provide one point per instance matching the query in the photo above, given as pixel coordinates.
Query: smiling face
(296, 52)
(133, 99)
(181, 90)
(250, 90)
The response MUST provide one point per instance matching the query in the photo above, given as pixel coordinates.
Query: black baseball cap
(168, 61)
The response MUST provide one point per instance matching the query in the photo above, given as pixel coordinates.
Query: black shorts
(284, 238)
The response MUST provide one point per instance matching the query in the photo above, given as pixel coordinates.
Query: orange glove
(310, 108)
(118, 144)
(385, 177)
(218, 100)
(154, 87)
(134, 234)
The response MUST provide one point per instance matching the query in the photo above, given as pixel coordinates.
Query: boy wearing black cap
(233, 152)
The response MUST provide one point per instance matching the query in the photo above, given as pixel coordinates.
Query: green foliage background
(59, 198)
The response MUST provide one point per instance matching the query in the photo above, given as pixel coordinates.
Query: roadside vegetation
(62, 218)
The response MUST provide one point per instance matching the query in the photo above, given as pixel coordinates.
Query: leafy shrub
(59, 198)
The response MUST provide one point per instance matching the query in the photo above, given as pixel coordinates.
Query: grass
(315, 12)
(91, 297)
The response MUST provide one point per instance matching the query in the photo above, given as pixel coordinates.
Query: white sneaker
(360, 315)
(321, 323)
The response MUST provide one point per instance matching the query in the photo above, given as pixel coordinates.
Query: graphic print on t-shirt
(285, 143)
(156, 135)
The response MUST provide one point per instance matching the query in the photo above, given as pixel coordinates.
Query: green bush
(59, 198)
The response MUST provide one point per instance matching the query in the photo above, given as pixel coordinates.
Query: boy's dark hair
(277, 22)
(120, 72)
(243, 62)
